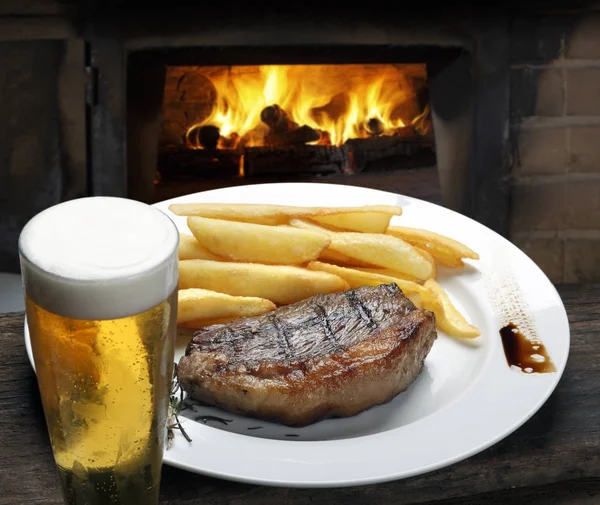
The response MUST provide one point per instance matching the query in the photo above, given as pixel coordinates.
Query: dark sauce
(525, 353)
(205, 419)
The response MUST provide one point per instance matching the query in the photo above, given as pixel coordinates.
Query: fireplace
(224, 125)
(291, 121)
(217, 117)
(394, 103)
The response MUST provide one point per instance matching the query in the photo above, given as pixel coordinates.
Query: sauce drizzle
(205, 419)
(528, 354)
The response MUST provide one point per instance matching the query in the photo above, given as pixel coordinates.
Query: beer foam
(99, 258)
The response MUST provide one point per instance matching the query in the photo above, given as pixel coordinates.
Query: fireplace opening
(293, 121)
(208, 118)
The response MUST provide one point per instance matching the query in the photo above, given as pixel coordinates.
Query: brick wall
(555, 132)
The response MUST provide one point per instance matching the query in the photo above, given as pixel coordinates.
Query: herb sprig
(177, 404)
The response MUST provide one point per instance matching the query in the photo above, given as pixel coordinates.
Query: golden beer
(102, 324)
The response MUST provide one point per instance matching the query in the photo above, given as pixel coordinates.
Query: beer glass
(100, 278)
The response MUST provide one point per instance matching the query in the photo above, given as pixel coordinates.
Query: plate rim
(205, 432)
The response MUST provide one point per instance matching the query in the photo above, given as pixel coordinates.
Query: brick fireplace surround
(553, 132)
(555, 125)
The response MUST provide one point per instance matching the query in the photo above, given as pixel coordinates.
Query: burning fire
(332, 103)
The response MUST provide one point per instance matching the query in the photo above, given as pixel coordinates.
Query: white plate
(466, 399)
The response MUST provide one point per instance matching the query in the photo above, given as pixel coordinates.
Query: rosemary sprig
(177, 404)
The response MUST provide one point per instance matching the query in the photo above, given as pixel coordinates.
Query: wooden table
(554, 459)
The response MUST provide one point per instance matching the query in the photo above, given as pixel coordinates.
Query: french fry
(358, 278)
(429, 257)
(366, 222)
(270, 214)
(450, 261)
(432, 302)
(338, 258)
(258, 243)
(278, 283)
(191, 249)
(381, 250)
(196, 324)
(388, 272)
(334, 257)
(447, 251)
(198, 304)
(448, 318)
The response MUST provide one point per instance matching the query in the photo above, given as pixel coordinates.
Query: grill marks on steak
(330, 355)
(318, 326)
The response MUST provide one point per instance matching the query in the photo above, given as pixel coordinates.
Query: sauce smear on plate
(526, 353)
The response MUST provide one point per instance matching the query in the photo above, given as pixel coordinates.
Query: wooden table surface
(554, 459)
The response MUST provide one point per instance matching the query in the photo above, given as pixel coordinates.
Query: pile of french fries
(246, 259)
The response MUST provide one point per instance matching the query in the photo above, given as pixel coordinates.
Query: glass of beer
(100, 277)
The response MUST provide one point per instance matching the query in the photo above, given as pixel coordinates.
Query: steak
(331, 355)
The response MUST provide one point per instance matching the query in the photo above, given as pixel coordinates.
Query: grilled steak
(331, 355)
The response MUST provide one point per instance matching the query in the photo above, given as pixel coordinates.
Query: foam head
(99, 258)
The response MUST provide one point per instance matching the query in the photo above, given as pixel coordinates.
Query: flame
(339, 101)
